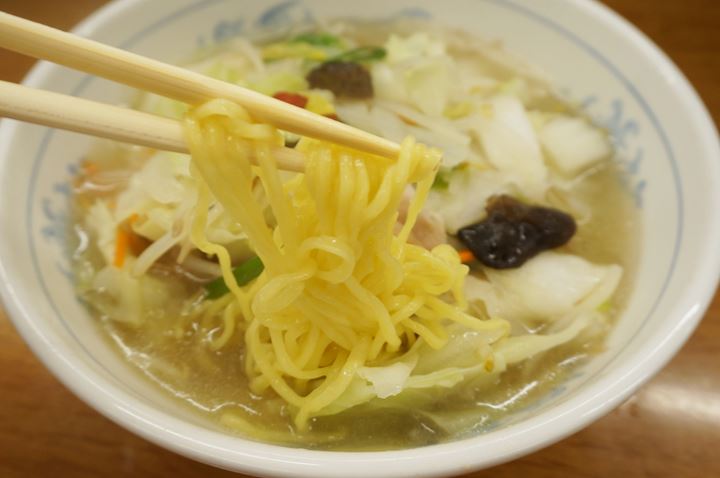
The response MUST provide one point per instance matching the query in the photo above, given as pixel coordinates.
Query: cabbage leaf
(546, 288)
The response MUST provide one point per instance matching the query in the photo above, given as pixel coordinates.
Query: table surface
(671, 427)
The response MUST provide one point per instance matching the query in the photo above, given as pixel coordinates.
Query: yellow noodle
(215, 306)
(340, 290)
(338, 380)
(310, 344)
(285, 362)
(227, 330)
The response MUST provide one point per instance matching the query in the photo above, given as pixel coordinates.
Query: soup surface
(503, 132)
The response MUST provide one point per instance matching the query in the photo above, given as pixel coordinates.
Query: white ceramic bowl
(660, 126)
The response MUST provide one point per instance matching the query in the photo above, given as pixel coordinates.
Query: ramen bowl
(668, 154)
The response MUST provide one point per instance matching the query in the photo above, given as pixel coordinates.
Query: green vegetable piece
(605, 307)
(318, 39)
(365, 54)
(442, 180)
(244, 274)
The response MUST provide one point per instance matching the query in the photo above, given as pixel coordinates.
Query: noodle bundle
(340, 290)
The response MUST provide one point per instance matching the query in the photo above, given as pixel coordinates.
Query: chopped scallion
(244, 274)
(365, 54)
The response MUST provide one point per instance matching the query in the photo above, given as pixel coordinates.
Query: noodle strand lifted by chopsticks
(339, 290)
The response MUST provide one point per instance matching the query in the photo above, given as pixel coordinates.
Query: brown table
(670, 428)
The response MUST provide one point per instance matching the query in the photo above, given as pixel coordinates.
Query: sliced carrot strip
(122, 238)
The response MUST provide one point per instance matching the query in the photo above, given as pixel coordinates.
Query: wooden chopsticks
(107, 121)
(41, 41)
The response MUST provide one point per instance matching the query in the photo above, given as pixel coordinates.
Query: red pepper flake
(333, 116)
(292, 98)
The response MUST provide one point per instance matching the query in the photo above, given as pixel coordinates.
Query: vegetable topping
(294, 99)
(344, 79)
(365, 54)
(244, 274)
(514, 232)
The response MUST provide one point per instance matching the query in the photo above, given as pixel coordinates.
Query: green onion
(318, 39)
(363, 54)
(244, 273)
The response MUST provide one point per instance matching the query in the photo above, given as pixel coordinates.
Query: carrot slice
(466, 256)
(126, 240)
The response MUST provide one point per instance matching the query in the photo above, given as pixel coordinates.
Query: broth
(198, 377)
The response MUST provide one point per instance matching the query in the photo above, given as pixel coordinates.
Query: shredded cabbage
(418, 71)
(546, 288)
(573, 144)
(463, 201)
(470, 357)
(129, 299)
(510, 143)
(102, 225)
(390, 380)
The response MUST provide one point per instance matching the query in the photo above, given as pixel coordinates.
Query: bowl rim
(274, 460)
